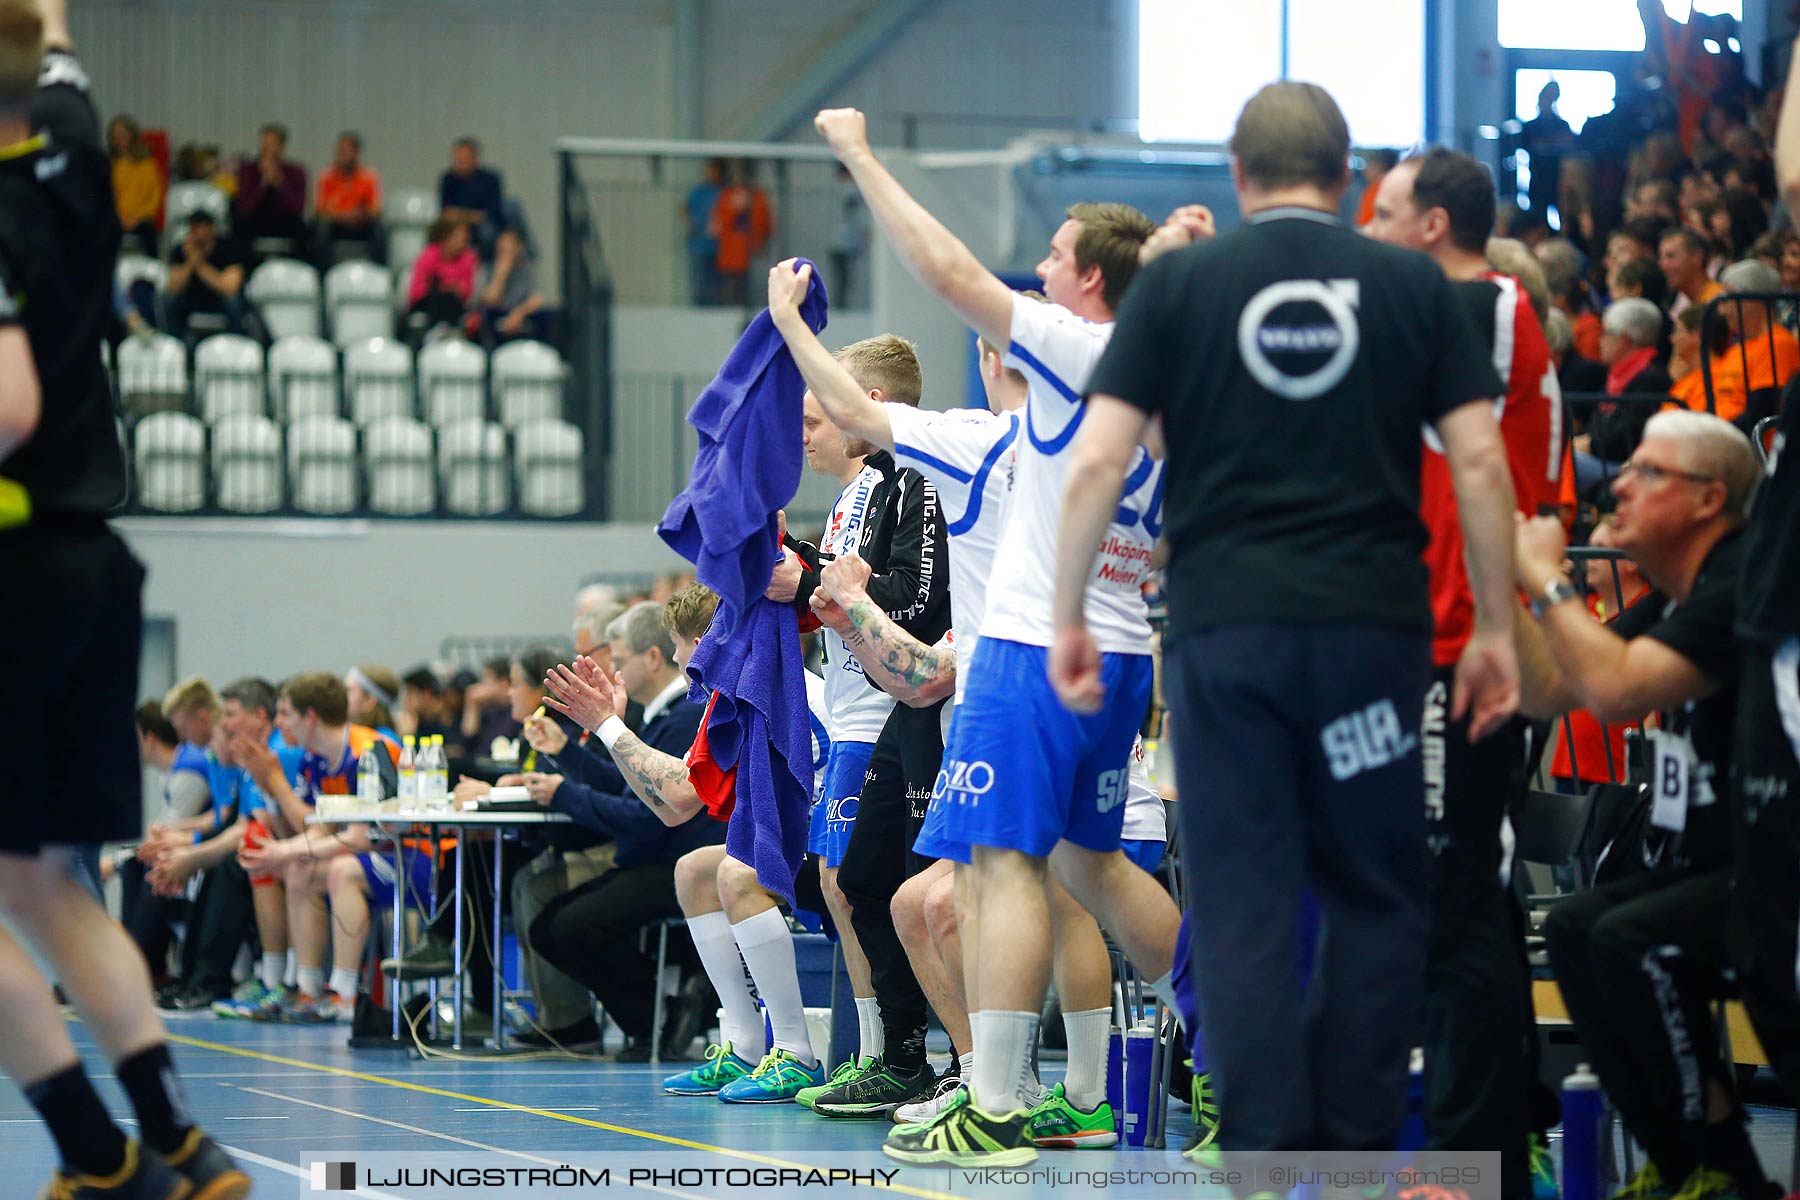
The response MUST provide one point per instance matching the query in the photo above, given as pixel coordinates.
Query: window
(1199, 63)
(1592, 24)
(1584, 94)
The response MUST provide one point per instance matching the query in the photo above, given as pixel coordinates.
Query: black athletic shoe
(209, 1170)
(876, 1093)
(145, 1176)
(583, 1037)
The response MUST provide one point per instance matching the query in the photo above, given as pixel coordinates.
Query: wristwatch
(1555, 592)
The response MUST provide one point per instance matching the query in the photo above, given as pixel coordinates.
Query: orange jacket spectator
(1773, 357)
(741, 223)
(1586, 328)
(348, 194)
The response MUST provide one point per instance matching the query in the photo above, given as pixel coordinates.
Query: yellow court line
(346, 1073)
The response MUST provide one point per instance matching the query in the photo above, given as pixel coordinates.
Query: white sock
(768, 950)
(868, 1026)
(312, 981)
(1003, 1042)
(345, 983)
(290, 971)
(1084, 1084)
(273, 969)
(742, 1025)
(965, 1068)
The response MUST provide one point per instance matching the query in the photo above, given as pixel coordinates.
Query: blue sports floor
(272, 1092)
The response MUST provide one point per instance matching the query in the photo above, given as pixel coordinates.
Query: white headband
(368, 685)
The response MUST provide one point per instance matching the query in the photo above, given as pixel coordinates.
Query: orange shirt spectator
(345, 194)
(1587, 328)
(741, 223)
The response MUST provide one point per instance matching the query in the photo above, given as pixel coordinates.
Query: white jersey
(1057, 352)
(855, 712)
(967, 454)
(821, 737)
(1146, 820)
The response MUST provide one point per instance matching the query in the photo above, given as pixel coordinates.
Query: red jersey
(1530, 415)
(716, 787)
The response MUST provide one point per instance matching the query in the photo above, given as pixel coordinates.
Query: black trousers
(222, 917)
(147, 916)
(1297, 750)
(879, 858)
(590, 934)
(1765, 894)
(1479, 1035)
(1638, 961)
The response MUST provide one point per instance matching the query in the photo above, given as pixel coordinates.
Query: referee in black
(1288, 367)
(70, 624)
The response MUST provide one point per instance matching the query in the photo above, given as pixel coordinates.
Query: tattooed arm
(660, 780)
(906, 668)
(595, 702)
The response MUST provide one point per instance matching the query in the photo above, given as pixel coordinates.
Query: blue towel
(748, 468)
(748, 465)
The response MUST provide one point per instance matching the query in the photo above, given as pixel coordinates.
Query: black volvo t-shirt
(59, 241)
(1294, 363)
(1769, 605)
(1701, 631)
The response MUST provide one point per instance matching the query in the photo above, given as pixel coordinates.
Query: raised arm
(660, 780)
(931, 252)
(906, 668)
(56, 24)
(850, 408)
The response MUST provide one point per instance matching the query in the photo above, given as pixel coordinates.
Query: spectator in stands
(443, 280)
(591, 932)
(511, 304)
(1568, 290)
(1654, 199)
(485, 709)
(137, 183)
(1640, 278)
(422, 706)
(472, 195)
(373, 693)
(1573, 372)
(1691, 342)
(1376, 165)
(741, 225)
(1765, 355)
(1683, 255)
(1741, 219)
(198, 162)
(1628, 348)
(206, 275)
(348, 207)
(1546, 139)
(1771, 247)
(702, 246)
(1633, 241)
(1639, 958)
(271, 195)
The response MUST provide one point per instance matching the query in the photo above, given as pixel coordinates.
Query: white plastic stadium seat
(322, 464)
(246, 464)
(286, 293)
(528, 383)
(408, 213)
(547, 458)
(358, 303)
(402, 476)
(168, 454)
(228, 377)
(472, 468)
(453, 381)
(134, 269)
(303, 378)
(185, 199)
(152, 373)
(378, 380)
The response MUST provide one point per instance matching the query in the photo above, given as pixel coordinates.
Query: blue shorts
(834, 809)
(1147, 855)
(1021, 772)
(378, 873)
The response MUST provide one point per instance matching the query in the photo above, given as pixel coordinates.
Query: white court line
(448, 1137)
(297, 1172)
(570, 1109)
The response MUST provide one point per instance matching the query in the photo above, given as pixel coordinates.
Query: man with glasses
(1639, 959)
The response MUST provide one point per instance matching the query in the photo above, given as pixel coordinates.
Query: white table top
(449, 817)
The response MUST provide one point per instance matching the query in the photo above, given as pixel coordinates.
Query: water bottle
(1584, 1120)
(440, 772)
(409, 774)
(1140, 1041)
(368, 779)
